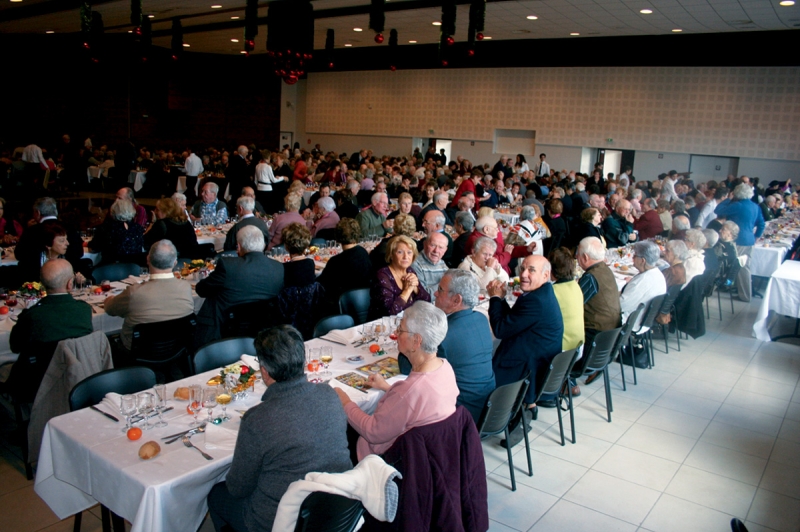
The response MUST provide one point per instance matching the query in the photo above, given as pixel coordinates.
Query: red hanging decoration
(449, 41)
(379, 38)
(479, 36)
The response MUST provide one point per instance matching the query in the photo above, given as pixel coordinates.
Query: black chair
(157, 345)
(222, 254)
(501, 407)
(248, 319)
(319, 242)
(90, 391)
(278, 250)
(337, 321)
(668, 307)
(599, 356)
(203, 251)
(327, 234)
(115, 272)
(624, 339)
(653, 308)
(356, 304)
(222, 353)
(326, 512)
(555, 384)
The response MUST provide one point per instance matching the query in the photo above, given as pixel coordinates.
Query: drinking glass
(144, 403)
(161, 403)
(210, 401)
(223, 398)
(312, 354)
(325, 357)
(195, 402)
(145, 274)
(127, 407)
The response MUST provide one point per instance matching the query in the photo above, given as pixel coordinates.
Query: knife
(109, 416)
(150, 414)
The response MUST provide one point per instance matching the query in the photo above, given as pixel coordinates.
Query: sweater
(747, 216)
(570, 300)
(299, 427)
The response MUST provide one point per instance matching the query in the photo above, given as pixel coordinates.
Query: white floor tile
(637, 467)
(758, 402)
(793, 412)
(782, 478)
(673, 421)
(775, 511)
(550, 474)
(753, 527)
(593, 422)
(712, 491)
(657, 442)
(688, 404)
(727, 463)
(585, 453)
(672, 514)
(765, 387)
(715, 376)
(790, 430)
(701, 388)
(518, 509)
(786, 452)
(614, 497)
(739, 439)
(569, 516)
(749, 419)
(788, 375)
(494, 526)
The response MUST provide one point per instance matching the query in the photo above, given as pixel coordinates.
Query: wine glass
(223, 399)
(161, 403)
(210, 401)
(144, 402)
(325, 357)
(195, 402)
(127, 407)
(312, 354)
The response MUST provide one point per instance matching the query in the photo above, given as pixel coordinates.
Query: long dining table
(86, 458)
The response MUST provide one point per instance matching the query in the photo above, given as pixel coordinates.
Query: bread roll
(149, 450)
(182, 393)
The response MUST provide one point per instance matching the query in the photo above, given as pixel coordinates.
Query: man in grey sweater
(299, 427)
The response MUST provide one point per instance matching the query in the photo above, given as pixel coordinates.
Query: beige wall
(751, 112)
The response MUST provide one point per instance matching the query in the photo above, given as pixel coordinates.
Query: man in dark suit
(439, 204)
(530, 333)
(244, 208)
(433, 222)
(249, 277)
(56, 317)
(238, 172)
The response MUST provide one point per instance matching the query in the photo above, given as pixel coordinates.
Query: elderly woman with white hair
(675, 253)
(694, 263)
(292, 203)
(119, 239)
(647, 284)
(427, 396)
(483, 263)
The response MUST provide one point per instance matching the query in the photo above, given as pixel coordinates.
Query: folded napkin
(219, 438)
(251, 361)
(111, 404)
(131, 280)
(343, 336)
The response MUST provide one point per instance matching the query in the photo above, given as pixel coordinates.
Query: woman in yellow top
(570, 300)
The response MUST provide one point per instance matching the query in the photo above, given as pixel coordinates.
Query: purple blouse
(386, 300)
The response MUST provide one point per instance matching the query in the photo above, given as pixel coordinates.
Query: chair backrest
(669, 300)
(327, 512)
(223, 352)
(627, 329)
(115, 272)
(231, 253)
(600, 351)
(356, 304)
(501, 405)
(248, 319)
(653, 308)
(560, 368)
(319, 242)
(164, 341)
(91, 390)
(337, 321)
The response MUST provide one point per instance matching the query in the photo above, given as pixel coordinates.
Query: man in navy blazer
(251, 276)
(531, 331)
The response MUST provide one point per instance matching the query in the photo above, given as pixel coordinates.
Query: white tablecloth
(85, 459)
(138, 179)
(216, 237)
(512, 219)
(781, 296)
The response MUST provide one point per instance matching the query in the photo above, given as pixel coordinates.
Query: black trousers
(226, 510)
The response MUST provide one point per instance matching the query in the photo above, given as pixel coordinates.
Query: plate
(355, 359)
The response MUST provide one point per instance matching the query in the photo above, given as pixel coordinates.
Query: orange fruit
(189, 410)
(374, 348)
(134, 433)
(4, 310)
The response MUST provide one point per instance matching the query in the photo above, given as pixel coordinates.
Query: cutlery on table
(188, 443)
(187, 434)
(150, 414)
(109, 416)
(178, 435)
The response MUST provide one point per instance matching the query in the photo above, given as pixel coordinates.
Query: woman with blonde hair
(396, 286)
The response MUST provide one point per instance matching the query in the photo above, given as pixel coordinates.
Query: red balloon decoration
(450, 41)
(330, 65)
(290, 79)
(392, 68)
(479, 36)
(471, 53)
(444, 62)
(379, 38)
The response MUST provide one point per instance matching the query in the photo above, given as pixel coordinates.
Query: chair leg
(528, 452)
(678, 337)
(22, 427)
(105, 517)
(560, 420)
(511, 460)
(708, 313)
(76, 527)
(633, 359)
(731, 294)
(665, 330)
(719, 305)
(118, 522)
(609, 408)
(620, 354)
(572, 413)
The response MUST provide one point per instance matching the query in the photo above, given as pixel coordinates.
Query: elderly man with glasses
(618, 227)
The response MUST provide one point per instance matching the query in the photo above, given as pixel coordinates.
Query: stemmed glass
(127, 407)
(325, 357)
(145, 403)
(161, 403)
(210, 401)
(223, 399)
(312, 359)
(195, 402)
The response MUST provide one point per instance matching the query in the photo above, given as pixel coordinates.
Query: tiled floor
(712, 432)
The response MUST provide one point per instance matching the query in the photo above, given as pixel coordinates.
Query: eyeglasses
(399, 330)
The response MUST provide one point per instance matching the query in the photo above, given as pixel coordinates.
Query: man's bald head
(57, 276)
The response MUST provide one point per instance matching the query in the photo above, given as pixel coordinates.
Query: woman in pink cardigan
(427, 396)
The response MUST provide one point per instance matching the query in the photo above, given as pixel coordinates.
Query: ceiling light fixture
(487, 38)
(412, 42)
(151, 16)
(574, 33)
(49, 31)
(646, 11)
(532, 17)
(677, 30)
(357, 29)
(234, 40)
(187, 45)
(216, 6)
(787, 3)
(437, 23)
(348, 45)
(14, 1)
(130, 31)
(234, 18)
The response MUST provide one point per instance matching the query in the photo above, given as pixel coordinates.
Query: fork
(189, 433)
(188, 443)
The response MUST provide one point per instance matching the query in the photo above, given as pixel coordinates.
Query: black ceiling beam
(44, 8)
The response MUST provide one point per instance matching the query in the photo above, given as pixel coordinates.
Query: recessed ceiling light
(437, 23)
(348, 45)
(677, 30)
(130, 31)
(187, 45)
(532, 17)
(234, 18)
(487, 38)
(216, 6)
(151, 16)
(574, 33)
(234, 40)
(16, 0)
(243, 52)
(49, 31)
(787, 3)
(412, 42)
(646, 11)
(357, 29)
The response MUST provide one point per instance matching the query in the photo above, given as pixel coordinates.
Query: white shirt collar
(161, 276)
(45, 218)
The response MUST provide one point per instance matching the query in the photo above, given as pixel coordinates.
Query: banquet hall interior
(704, 87)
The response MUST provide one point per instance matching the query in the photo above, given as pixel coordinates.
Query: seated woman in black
(350, 269)
(301, 297)
(172, 224)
